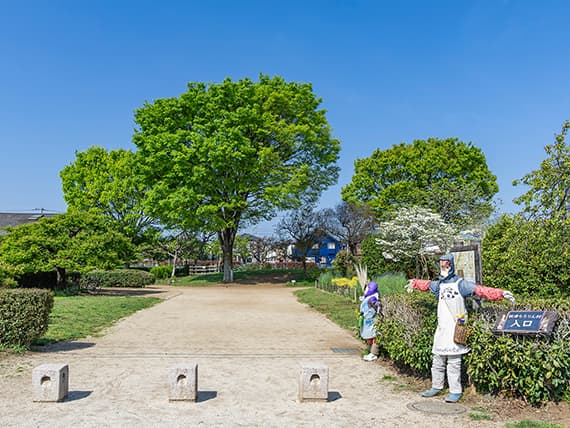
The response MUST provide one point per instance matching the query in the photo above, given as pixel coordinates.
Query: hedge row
(24, 315)
(116, 278)
(535, 368)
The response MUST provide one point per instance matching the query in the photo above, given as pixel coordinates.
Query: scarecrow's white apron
(450, 304)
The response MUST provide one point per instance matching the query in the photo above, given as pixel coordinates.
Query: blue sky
(491, 72)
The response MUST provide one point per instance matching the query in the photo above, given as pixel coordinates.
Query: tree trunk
(227, 237)
(174, 260)
(60, 282)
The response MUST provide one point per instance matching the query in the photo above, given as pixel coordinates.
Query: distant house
(324, 252)
(17, 219)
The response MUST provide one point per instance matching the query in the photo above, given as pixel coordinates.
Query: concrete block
(183, 382)
(50, 382)
(314, 382)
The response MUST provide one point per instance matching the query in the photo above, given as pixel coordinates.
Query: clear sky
(493, 72)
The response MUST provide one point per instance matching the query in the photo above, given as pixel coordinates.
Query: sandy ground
(249, 343)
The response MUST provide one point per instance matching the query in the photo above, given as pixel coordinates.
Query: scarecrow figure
(451, 291)
(369, 309)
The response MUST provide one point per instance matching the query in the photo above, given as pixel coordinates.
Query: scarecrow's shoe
(453, 398)
(431, 392)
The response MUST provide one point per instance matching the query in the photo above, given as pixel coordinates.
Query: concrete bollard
(314, 382)
(50, 382)
(183, 382)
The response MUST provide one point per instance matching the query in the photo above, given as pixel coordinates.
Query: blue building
(323, 252)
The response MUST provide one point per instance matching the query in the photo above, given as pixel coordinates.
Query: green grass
(391, 283)
(246, 276)
(337, 308)
(532, 424)
(480, 416)
(74, 317)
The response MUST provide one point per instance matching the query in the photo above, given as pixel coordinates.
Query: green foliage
(106, 183)
(6, 280)
(74, 317)
(161, 272)
(548, 196)
(373, 258)
(312, 273)
(447, 175)
(77, 242)
(528, 256)
(391, 283)
(116, 278)
(24, 315)
(343, 264)
(224, 154)
(536, 368)
(405, 333)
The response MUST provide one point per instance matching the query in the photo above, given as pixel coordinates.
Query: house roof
(17, 219)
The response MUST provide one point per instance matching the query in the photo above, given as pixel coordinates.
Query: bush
(24, 315)
(343, 264)
(535, 368)
(312, 273)
(528, 257)
(6, 280)
(116, 278)
(161, 272)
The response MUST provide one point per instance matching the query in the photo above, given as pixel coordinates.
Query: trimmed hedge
(116, 278)
(535, 368)
(24, 315)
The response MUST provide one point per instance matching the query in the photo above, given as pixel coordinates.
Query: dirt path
(248, 342)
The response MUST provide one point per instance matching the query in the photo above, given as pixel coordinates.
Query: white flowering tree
(414, 234)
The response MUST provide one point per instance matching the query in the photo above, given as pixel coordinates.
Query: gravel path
(249, 343)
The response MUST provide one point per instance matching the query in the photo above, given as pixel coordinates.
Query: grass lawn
(74, 317)
(247, 276)
(337, 308)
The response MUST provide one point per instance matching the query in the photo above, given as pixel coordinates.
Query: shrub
(528, 257)
(116, 278)
(161, 272)
(343, 264)
(312, 273)
(536, 368)
(24, 315)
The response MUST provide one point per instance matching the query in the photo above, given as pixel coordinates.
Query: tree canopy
(224, 155)
(548, 196)
(106, 183)
(77, 242)
(447, 176)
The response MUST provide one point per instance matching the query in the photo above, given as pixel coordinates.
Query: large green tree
(77, 242)
(106, 183)
(447, 176)
(530, 252)
(224, 155)
(548, 196)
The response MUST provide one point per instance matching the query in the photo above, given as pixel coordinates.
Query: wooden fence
(198, 269)
(351, 292)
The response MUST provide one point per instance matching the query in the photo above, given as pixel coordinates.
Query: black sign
(526, 322)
